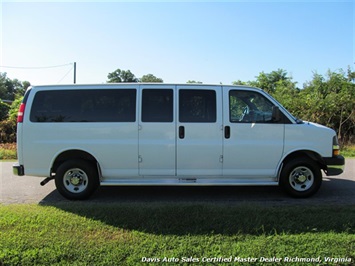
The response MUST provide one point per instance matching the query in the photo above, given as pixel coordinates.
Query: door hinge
(140, 159)
(221, 159)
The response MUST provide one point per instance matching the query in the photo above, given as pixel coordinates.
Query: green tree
(351, 75)
(4, 110)
(121, 76)
(13, 110)
(239, 82)
(327, 100)
(25, 84)
(330, 101)
(269, 81)
(150, 78)
(10, 88)
(194, 82)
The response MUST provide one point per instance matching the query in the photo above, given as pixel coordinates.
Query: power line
(73, 66)
(21, 67)
(66, 74)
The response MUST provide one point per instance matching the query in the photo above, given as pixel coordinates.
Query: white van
(84, 136)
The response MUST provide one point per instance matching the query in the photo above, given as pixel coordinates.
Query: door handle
(181, 132)
(227, 132)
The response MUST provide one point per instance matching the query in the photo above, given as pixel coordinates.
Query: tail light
(21, 113)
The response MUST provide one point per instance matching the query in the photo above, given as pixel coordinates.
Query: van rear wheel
(301, 177)
(76, 179)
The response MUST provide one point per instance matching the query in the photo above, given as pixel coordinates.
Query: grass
(79, 233)
(348, 151)
(8, 151)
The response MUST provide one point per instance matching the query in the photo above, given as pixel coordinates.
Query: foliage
(12, 113)
(9, 124)
(7, 131)
(121, 76)
(125, 233)
(10, 88)
(127, 76)
(193, 82)
(270, 82)
(331, 101)
(328, 100)
(150, 78)
(4, 110)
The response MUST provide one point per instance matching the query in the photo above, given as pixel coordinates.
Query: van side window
(197, 106)
(101, 105)
(249, 107)
(157, 105)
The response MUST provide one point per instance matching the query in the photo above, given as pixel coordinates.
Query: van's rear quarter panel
(114, 145)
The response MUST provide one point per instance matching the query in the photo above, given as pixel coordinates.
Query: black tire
(76, 179)
(301, 177)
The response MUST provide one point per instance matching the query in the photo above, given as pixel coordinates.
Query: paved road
(335, 190)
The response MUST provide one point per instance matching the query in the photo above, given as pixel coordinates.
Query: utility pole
(74, 72)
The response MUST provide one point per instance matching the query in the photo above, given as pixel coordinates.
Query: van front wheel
(301, 177)
(76, 179)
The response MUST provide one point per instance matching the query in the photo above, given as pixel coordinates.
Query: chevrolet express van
(84, 136)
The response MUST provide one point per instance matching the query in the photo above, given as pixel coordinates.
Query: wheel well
(72, 155)
(304, 153)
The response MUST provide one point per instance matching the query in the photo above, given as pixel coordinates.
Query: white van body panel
(309, 136)
(200, 153)
(115, 146)
(157, 142)
(253, 150)
(157, 149)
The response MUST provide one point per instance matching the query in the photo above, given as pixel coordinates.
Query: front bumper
(335, 165)
(18, 169)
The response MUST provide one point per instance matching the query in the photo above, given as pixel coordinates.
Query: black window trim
(199, 90)
(283, 120)
(133, 115)
(143, 112)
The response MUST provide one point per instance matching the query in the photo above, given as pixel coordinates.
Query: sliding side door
(157, 127)
(199, 131)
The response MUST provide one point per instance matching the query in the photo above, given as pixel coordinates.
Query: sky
(209, 41)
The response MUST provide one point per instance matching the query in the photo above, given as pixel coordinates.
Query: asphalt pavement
(337, 190)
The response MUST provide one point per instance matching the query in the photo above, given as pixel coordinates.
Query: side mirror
(276, 114)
